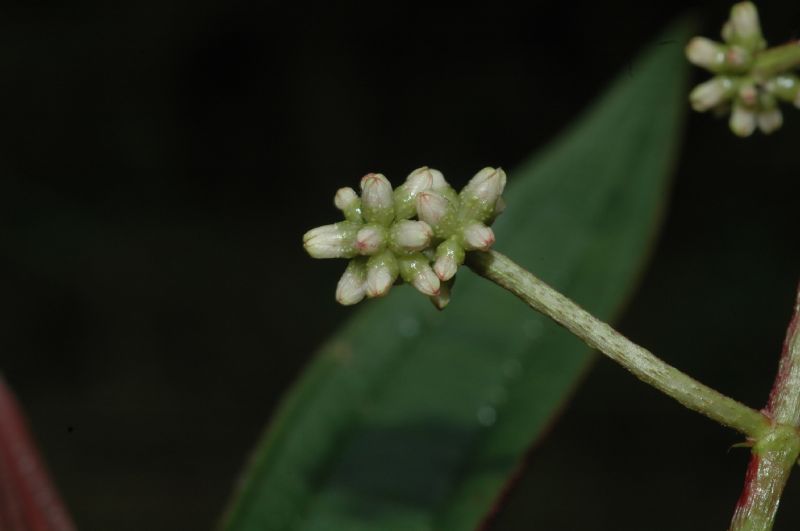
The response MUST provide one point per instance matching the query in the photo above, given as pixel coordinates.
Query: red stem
(28, 500)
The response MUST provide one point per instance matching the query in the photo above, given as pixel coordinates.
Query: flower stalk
(640, 362)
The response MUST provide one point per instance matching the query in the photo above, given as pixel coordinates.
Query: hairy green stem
(775, 454)
(777, 60)
(643, 364)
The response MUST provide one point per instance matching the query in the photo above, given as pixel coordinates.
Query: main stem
(598, 335)
(775, 455)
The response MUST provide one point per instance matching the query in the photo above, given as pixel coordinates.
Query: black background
(159, 162)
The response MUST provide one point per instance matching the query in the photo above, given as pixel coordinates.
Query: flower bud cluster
(739, 85)
(417, 233)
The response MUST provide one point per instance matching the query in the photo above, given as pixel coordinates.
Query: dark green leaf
(410, 419)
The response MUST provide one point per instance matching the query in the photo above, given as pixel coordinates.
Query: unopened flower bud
(442, 299)
(481, 193)
(382, 270)
(434, 209)
(331, 241)
(421, 179)
(376, 199)
(711, 93)
(352, 286)
(770, 120)
(416, 270)
(411, 235)
(349, 203)
(478, 237)
(370, 239)
(706, 53)
(405, 196)
(745, 26)
(742, 121)
(345, 198)
(449, 255)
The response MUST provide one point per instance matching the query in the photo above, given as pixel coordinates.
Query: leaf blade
(413, 420)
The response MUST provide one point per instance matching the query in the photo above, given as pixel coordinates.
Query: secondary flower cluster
(740, 83)
(418, 232)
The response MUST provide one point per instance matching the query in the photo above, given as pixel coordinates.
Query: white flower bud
(412, 235)
(705, 53)
(742, 121)
(352, 287)
(370, 239)
(417, 181)
(711, 93)
(421, 179)
(382, 271)
(426, 280)
(487, 185)
(449, 255)
(478, 237)
(744, 22)
(432, 208)
(445, 267)
(416, 270)
(376, 199)
(331, 241)
(480, 194)
(379, 280)
(345, 198)
(770, 121)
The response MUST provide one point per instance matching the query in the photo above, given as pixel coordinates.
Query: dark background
(159, 162)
